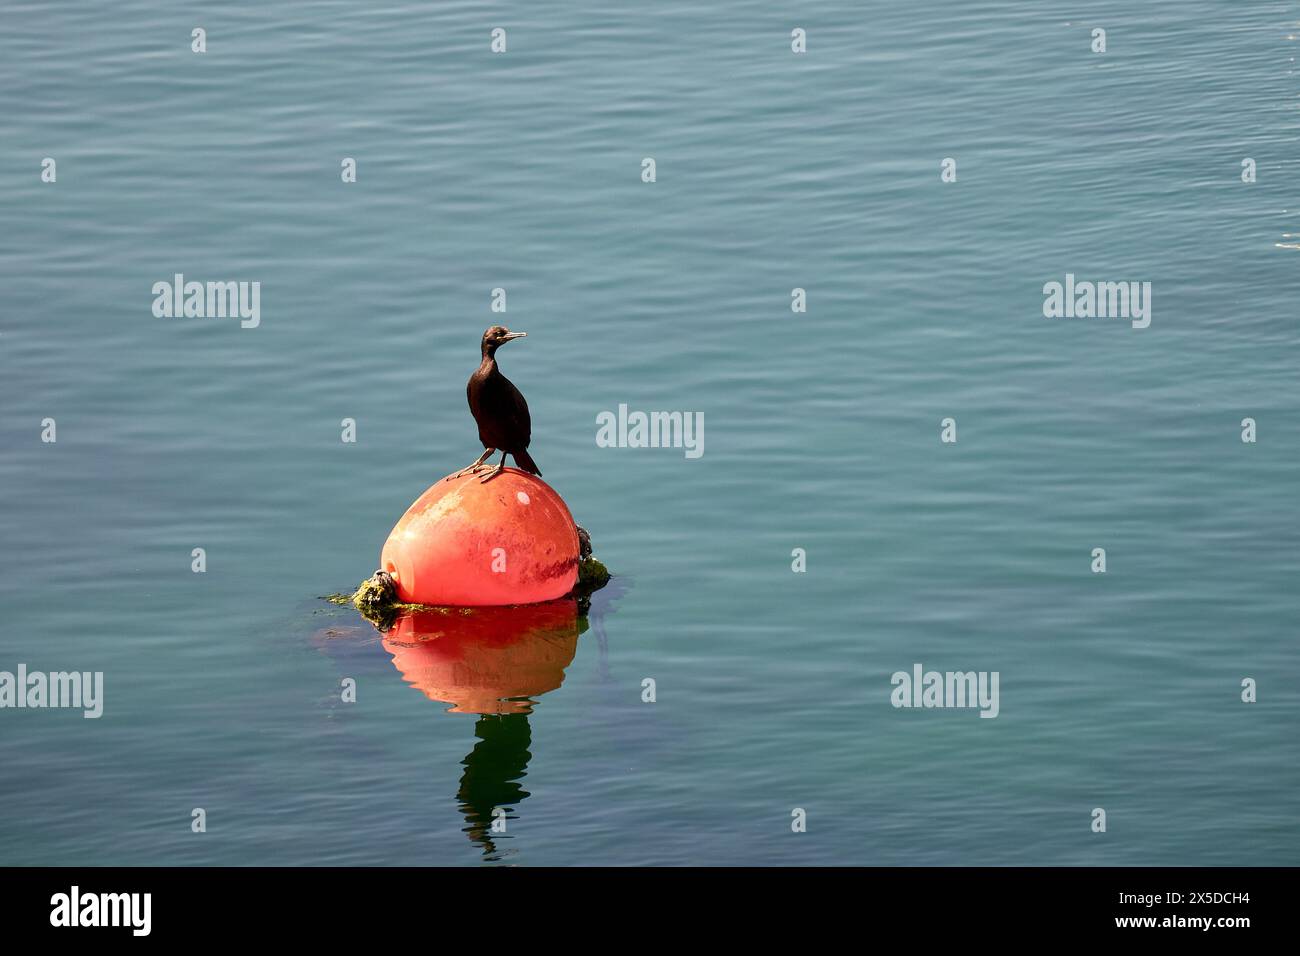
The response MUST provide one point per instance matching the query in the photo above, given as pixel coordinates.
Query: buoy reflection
(493, 662)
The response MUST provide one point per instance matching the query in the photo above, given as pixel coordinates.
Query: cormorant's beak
(514, 335)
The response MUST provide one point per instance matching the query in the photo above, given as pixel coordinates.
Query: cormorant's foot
(471, 470)
(474, 468)
(492, 474)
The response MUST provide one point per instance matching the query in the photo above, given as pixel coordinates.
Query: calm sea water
(774, 171)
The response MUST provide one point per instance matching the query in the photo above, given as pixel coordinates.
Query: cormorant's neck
(489, 357)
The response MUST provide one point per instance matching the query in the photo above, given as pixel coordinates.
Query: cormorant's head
(498, 336)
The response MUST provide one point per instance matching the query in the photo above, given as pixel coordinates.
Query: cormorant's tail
(525, 461)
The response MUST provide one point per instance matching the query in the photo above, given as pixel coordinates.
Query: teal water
(774, 171)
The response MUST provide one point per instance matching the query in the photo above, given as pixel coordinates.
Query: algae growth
(592, 575)
(376, 597)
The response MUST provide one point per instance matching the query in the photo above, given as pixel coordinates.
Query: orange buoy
(467, 543)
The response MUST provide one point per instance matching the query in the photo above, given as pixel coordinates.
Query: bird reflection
(490, 784)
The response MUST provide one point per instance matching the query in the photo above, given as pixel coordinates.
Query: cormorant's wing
(523, 423)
